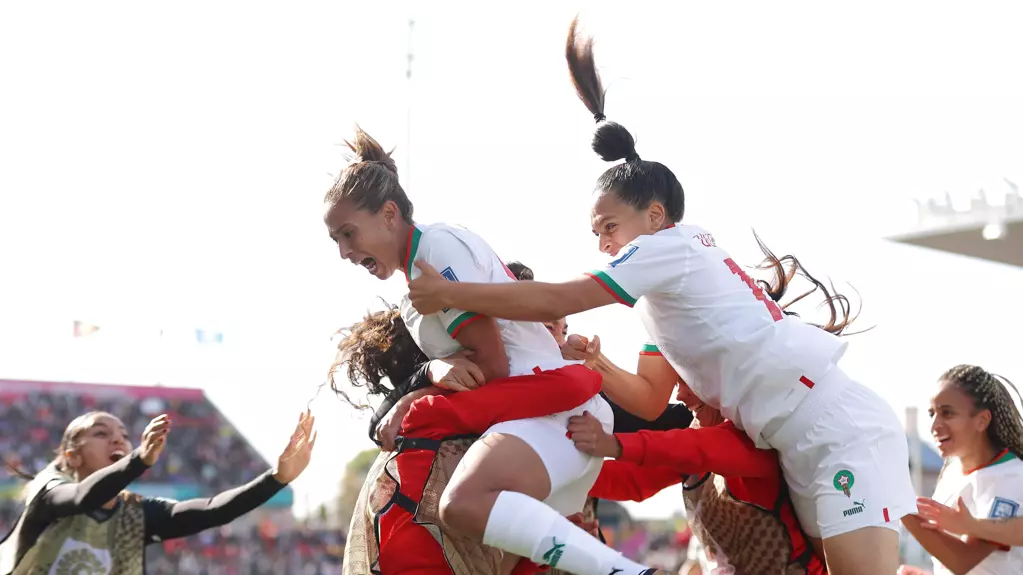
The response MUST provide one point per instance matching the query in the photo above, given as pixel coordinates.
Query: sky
(163, 168)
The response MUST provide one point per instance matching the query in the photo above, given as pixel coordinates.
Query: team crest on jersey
(1004, 508)
(707, 240)
(449, 274)
(843, 482)
(624, 256)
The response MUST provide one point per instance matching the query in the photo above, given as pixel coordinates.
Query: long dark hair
(635, 181)
(784, 270)
(639, 182)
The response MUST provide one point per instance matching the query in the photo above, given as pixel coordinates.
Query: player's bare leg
(866, 551)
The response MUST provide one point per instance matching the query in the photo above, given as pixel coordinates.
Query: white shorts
(572, 472)
(845, 458)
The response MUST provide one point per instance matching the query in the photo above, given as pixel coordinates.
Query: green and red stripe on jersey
(613, 288)
(461, 321)
(1003, 456)
(411, 247)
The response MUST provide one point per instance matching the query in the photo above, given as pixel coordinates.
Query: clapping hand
(934, 515)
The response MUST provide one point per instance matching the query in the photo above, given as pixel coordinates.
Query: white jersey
(723, 335)
(994, 491)
(460, 255)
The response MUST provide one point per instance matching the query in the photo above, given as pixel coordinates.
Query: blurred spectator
(210, 454)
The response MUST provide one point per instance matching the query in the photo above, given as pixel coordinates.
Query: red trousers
(407, 548)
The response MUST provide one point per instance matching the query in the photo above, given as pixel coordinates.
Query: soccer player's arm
(1007, 532)
(645, 393)
(636, 272)
(628, 481)
(958, 556)
(722, 449)
(1002, 503)
(455, 260)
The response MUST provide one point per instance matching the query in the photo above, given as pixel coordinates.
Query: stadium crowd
(217, 457)
(214, 456)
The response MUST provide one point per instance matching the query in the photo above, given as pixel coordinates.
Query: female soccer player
(743, 515)
(79, 519)
(980, 433)
(772, 375)
(499, 490)
(392, 533)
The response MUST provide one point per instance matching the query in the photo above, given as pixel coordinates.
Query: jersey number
(772, 307)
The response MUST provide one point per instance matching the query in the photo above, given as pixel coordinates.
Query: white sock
(526, 527)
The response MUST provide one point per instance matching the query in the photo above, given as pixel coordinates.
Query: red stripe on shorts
(806, 381)
(886, 520)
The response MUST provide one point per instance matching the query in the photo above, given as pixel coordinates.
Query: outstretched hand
(295, 457)
(154, 439)
(427, 292)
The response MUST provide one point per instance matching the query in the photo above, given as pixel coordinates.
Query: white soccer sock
(526, 527)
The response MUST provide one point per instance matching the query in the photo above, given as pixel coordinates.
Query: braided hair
(990, 391)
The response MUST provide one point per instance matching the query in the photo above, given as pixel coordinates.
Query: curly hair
(377, 348)
(991, 392)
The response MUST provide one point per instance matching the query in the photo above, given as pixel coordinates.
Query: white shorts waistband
(807, 412)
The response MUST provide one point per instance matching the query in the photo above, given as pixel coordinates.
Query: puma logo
(553, 555)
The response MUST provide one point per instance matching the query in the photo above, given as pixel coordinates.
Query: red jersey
(654, 460)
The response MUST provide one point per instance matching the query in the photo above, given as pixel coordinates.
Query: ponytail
(787, 268)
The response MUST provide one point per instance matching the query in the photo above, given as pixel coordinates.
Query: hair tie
(599, 117)
(632, 156)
